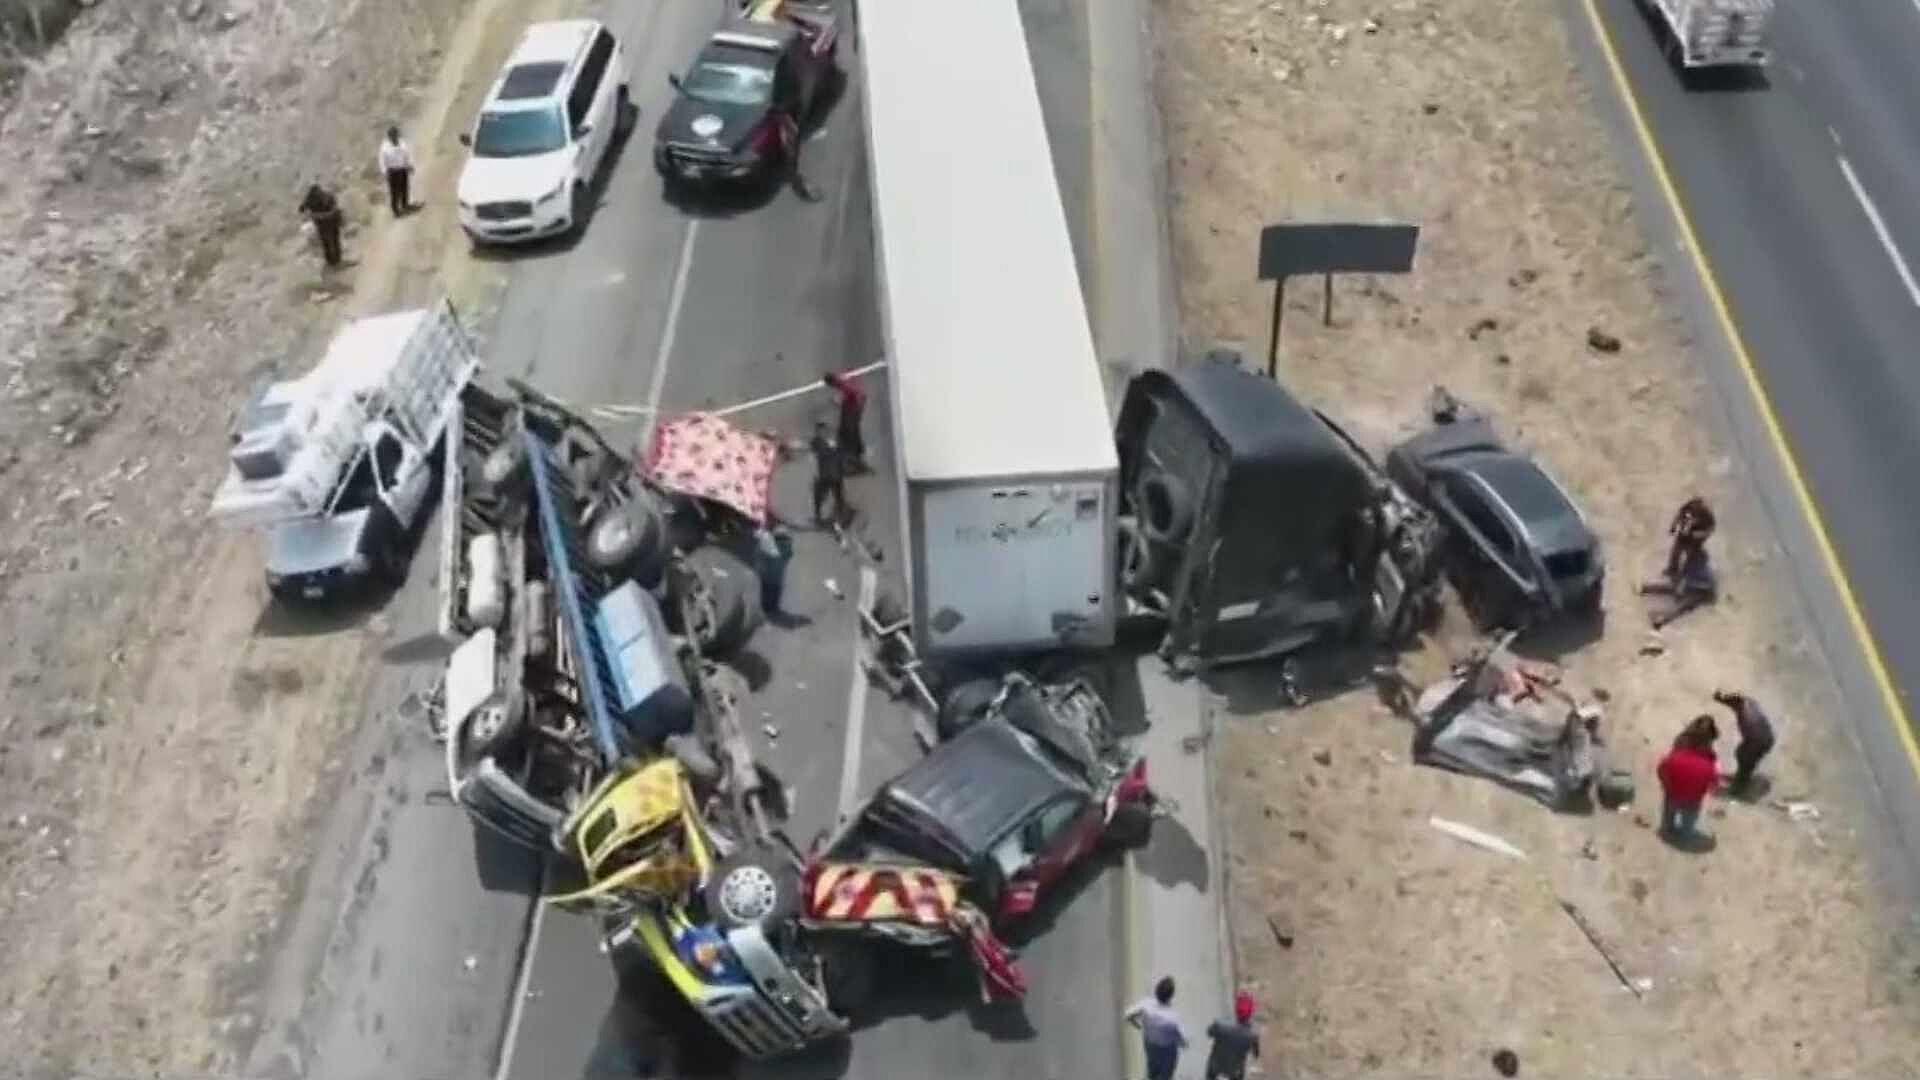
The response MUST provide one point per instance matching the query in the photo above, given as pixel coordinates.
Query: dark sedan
(1524, 552)
(739, 111)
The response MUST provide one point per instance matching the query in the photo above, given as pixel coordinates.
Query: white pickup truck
(1715, 33)
(337, 465)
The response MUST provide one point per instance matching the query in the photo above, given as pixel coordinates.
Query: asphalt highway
(420, 951)
(1802, 187)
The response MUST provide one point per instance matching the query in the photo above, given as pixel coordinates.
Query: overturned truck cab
(1256, 527)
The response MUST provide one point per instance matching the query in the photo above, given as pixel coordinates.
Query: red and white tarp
(703, 455)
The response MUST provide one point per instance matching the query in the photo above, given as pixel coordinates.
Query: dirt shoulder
(1411, 953)
(168, 742)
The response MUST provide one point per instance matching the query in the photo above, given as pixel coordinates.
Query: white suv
(543, 133)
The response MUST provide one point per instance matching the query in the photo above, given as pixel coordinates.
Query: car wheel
(1130, 827)
(966, 705)
(756, 886)
(716, 597)
(577, 208)
(847, 976)
(1591, 603)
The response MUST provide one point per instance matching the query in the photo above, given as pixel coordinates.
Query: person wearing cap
(1161, 1035)
(1232, 1042)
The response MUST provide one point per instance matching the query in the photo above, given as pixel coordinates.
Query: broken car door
(1053, 840)
(401, 473)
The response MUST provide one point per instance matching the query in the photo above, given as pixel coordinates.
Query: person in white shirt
(1161, 1035)
(396, 161)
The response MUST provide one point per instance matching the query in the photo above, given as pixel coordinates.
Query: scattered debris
(770, 731)
(1193, 744)
(1602, 342)
(1797, 809)
(1323, 757)
(1599, 946)
(1485, 325)
(1483, 840)
(833, 588)
(1589, 851)
(471, 962)
(1280, 937)
(1506, 719)
(1615, 790)
(1506, 1062)
(1654, 645)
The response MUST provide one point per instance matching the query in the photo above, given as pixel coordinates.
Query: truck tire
(755, 886)
(848, 971)
(1139, 566)
(1130, 828)
(630, 541)
(1164, 507)
(719, 597)
(390, 562)
(965, 705)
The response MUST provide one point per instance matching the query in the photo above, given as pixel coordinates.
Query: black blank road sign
(1288, 250)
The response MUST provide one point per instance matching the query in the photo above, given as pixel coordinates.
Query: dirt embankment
(162, 744)
(1406, 952)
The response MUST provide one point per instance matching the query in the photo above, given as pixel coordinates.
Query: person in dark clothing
(1692, 525)
(1232, 1042)
(853, 408)
(323, 210)
(829, 476)
(1756, 737)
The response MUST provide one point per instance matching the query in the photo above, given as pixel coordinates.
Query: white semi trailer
(1007, 460)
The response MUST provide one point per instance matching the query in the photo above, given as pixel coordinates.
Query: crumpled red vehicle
(703, 455)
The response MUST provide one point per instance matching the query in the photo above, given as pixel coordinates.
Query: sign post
(1290, 249)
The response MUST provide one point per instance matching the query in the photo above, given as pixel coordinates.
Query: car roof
(532, 74)
(980, 784)
(1540, 506)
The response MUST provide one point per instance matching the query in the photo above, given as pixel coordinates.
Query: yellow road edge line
(1870, 648)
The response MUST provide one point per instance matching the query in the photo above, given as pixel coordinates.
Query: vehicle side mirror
(673, 80)
(584, 130)
(466, 139)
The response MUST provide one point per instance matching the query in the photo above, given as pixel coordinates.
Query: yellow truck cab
(638, 837)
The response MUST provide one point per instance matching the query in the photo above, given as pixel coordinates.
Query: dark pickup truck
(739, 112)
(1012, 800)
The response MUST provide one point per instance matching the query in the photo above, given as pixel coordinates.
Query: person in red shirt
(853, 407)
(1687, 773)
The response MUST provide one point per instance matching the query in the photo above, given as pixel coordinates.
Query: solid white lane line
(855, 732)
(675, 298)
(517, 1008)
(1880, 229)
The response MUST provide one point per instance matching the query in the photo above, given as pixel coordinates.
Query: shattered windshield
(519, 133)
(719, 81)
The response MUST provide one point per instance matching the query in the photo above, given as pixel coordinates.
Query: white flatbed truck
(1715, 33)
(337, 465)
